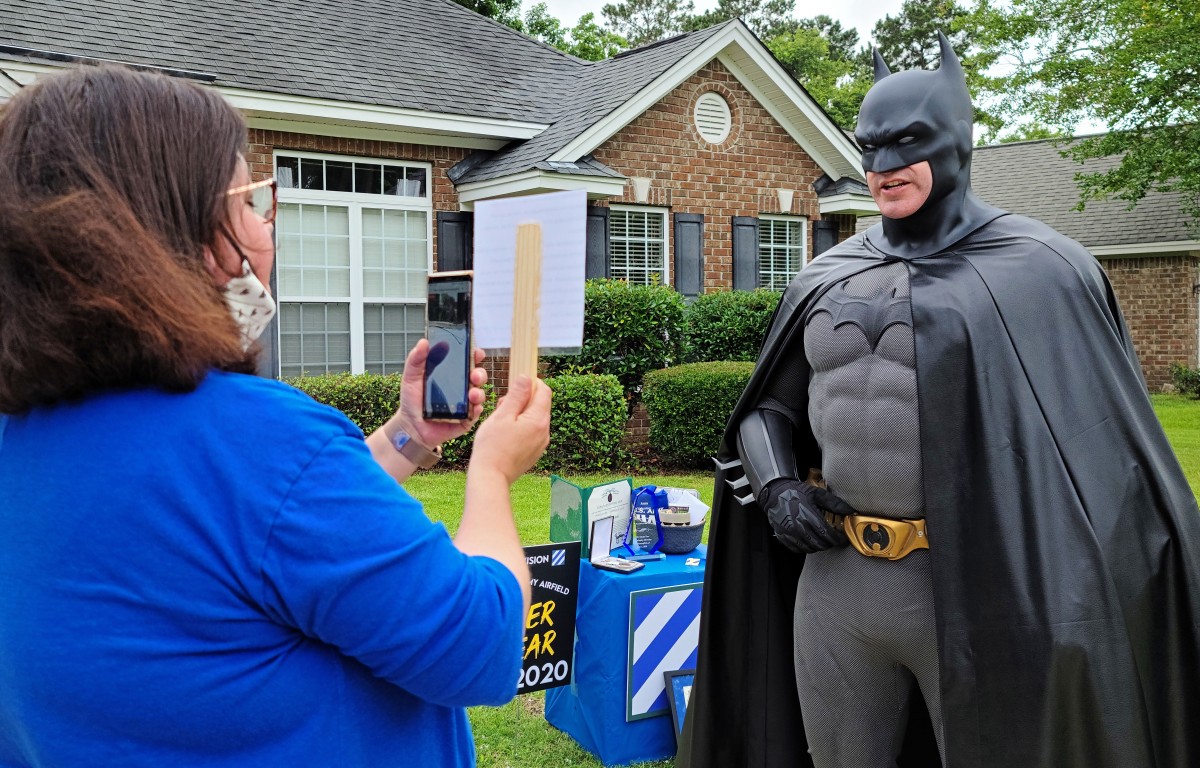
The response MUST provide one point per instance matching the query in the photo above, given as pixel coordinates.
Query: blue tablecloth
(592, 710)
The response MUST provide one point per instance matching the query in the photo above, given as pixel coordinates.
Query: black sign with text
(550, 626)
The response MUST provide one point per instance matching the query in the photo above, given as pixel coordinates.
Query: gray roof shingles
(1033, 179)
(428, 55)
(450, 61)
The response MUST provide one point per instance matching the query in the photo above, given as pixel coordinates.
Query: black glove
(797, 510)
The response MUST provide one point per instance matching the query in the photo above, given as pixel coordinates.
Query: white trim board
(1135, 250)
(308, 109)
(535, 181)
(326, 117)
(848, 202)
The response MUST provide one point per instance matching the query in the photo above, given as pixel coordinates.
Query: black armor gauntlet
(795, 510)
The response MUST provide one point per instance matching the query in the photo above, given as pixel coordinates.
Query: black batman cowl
(919, 115)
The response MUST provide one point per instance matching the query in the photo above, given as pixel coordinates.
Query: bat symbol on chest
(870, 314)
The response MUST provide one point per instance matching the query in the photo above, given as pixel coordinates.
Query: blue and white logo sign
(664, 632)
(558, 557)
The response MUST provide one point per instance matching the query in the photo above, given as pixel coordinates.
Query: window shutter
(596, 261)
(456, 240)
(689, 253)
(825, 234)
(745, 253)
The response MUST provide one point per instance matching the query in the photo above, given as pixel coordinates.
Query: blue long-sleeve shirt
(226, 577)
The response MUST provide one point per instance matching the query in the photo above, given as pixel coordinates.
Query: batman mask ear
(950, 64)
(881, 67)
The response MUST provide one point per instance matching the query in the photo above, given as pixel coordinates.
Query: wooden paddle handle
(527, 285)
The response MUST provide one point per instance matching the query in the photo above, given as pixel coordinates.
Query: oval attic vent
(712, 117)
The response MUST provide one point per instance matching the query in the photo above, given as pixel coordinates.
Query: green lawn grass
(1180, 417)
(517, 735)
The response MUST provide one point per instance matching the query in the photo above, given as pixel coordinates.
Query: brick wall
(1156, 296)
(847, 225)
(637, 429)
(737, 177)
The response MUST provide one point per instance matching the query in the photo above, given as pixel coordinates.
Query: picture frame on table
(679, 688)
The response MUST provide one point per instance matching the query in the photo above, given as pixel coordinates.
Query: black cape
(1063, 534)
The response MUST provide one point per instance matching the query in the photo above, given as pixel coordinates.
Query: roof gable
(610, 94)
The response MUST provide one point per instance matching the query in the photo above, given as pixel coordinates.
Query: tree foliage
(765, 18)
(820, 54)
(541, 25)
(1131, 65)
(843, 43)
(909, 40)
(507, 12)
(587, 40)
(645, 21)
(593, 42)
(1031, 132)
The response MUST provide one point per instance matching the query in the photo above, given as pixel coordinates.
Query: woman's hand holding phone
(412, 399)
(409, 417)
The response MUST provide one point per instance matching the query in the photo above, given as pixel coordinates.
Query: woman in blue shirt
(199, 566)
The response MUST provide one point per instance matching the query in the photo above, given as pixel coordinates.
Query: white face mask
(250, 304)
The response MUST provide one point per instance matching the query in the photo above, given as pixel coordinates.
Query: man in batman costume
(967, 370)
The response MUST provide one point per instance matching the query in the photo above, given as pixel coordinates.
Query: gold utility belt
(877, 536)
(883, 536)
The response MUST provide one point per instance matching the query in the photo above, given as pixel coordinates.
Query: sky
(859, 14)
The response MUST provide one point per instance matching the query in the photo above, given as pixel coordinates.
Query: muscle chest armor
(863, 392)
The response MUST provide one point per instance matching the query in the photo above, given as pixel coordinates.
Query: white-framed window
(353, 246)
(639, 245)
(782, 250)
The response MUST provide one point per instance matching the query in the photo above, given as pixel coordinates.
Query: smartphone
(448, 328)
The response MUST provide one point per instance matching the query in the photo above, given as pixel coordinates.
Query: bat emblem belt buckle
(885, 537)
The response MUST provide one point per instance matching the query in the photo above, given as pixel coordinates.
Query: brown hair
(112, 182)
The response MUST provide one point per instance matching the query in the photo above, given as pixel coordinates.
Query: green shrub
(367, 399)
(1186, 380)
(728, 325)
(587, 420)
(587, 423)
(689, 405)
(627, 331)
(370, 399)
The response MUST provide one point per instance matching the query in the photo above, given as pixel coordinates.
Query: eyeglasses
(264, 198)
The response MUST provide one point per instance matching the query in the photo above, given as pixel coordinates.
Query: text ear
(881, 67)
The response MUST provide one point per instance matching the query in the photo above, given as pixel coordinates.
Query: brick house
(706, 165)
(1149, 253)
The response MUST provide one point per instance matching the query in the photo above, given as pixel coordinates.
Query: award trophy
(648, 501)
